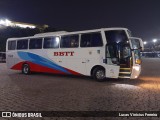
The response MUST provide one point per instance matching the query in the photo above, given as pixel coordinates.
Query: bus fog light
(137, 68)
(138, 61)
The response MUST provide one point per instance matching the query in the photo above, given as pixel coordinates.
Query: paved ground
(46, 92)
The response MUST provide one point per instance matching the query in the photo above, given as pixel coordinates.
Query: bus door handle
(83, 62)
(59, 61)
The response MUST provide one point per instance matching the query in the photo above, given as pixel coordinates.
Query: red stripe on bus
(73, 72)
(38, 68)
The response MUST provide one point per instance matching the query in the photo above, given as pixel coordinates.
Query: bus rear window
(11, 45)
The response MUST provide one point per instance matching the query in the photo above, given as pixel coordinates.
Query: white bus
(101, 53)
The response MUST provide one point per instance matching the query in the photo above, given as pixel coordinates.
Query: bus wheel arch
(98, 73)
(26, 68)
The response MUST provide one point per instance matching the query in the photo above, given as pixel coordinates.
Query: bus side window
(85, 40)
(22, 44)
(35, 43)
(52, 42)
(96, 40)
(71, 41)
(74, 41)
(91, 40)
(11, 45)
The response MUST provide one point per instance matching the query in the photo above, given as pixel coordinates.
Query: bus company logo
(6, 114)
(64, 53)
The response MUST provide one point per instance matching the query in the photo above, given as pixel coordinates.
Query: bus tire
(26, 69)
(99, 74)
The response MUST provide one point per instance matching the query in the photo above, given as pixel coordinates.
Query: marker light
(138, 61)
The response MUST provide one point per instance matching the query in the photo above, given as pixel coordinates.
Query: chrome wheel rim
(100, 74)
(25, 69)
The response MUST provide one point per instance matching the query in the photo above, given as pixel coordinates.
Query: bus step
(125, 70)
(124, 73)
(124, 77)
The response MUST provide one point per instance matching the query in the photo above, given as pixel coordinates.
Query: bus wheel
(26, 69)
(99, 74)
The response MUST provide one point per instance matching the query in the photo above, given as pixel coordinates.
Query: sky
(142, 17)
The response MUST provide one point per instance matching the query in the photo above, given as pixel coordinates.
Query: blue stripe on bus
(41, 61)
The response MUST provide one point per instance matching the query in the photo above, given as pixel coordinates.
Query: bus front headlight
(137, 68)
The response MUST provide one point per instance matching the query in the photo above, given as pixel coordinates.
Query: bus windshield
(135, 44)
(116, 36)
(118, 45)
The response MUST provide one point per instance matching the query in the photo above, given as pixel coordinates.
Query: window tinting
(91, 40)
(135, 43)
(71, 41)
(112, 50)
(22, 44)
(35, 43)
(11, 45)
(52, 42)
(116, 36)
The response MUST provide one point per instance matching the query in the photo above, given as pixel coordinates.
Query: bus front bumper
(136, 70)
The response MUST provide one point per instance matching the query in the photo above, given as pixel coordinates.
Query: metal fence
(150, 54)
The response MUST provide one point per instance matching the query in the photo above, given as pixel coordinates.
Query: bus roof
(51, 33)
(59, 33)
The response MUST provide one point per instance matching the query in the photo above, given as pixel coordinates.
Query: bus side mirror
(137, 43)
(141, 44)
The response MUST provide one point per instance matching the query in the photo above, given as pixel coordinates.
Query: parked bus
(2, 57)
(100, 53)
